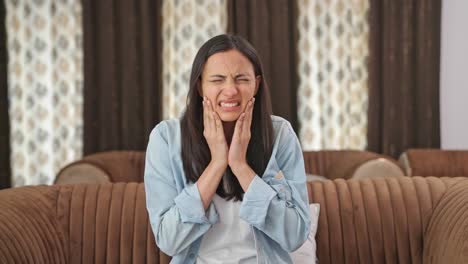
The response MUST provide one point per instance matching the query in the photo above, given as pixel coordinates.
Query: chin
(229, 117)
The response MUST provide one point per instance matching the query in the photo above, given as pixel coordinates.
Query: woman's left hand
(237, 156)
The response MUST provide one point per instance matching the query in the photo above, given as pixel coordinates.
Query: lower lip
(230, 109)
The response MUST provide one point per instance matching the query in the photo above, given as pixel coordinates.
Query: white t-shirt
(230, 240)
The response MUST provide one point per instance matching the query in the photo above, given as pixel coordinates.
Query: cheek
(212, 96)
(248, 91)
(209, 92)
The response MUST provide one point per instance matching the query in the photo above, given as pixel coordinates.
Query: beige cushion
(378, 168)
(82, 173)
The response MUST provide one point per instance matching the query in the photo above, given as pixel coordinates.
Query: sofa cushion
(378, 168)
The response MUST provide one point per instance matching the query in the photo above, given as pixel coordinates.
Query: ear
(258, 80)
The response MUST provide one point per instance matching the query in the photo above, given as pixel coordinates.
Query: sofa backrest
(128, 166)
(110, 166)
(435, 162)
(377, 220)
(346, 164)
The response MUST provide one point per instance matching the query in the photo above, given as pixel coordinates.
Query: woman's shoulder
(284, 134)
(278, 119)
(167, 128)
(279, 124)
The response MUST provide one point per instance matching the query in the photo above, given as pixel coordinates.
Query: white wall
(454, 75)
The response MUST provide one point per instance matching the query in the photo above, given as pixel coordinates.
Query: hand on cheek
(214, 134)
(237, 157)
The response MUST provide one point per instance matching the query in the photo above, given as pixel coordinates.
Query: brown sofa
(375, 220)
(435, 162)
(104, 167)
(347, 164)
(128, 166)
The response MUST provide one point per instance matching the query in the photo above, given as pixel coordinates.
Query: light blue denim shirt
(275, 204)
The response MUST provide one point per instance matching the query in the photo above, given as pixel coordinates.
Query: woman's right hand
(214, 134)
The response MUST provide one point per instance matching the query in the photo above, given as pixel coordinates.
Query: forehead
(228, 62)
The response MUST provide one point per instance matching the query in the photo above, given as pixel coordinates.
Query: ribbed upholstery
(376, 220)
(449, 225)
(435, 162)
(107, 223)
(28, 227)
(77, 224)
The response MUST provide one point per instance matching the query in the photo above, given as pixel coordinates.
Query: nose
(230, 89)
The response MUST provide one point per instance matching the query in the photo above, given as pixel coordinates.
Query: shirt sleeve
(177, 217)
(277, 203)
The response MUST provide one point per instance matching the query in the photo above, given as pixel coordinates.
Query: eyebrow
(224, 76)
(218, 76)
(241, 75)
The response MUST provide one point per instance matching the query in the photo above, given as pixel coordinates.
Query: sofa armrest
(29, 232)
(446, 238)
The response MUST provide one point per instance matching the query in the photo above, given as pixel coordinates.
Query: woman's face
(229, 82)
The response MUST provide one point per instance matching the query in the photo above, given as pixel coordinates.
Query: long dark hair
(195, 151)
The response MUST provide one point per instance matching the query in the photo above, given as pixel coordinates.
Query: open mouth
(234, 104)
(229, 105)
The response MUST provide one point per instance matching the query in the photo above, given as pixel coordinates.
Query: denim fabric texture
(275, 204)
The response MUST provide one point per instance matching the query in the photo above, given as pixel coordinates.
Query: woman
(226, 182)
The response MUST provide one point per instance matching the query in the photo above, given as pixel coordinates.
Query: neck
(228, 128)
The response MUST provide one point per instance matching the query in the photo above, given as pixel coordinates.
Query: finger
(208, 115)
(211, 117)
(238, 128)
(248, 116)
(205, 114)
(218, 123)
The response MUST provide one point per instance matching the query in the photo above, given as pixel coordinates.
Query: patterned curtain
(332, 93)
(186, 25)
(45, 87)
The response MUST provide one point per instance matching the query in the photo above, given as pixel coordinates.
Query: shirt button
(279, 175)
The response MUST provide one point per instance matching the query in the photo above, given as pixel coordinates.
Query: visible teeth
(229, 104)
